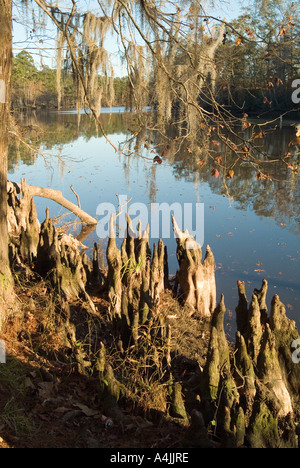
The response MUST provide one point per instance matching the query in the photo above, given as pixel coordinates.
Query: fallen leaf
(246, 124)
(278, 81)
(238, 41)
(86, 410)
(61, 409)
(230, 174)
(281, 32)
(201, 162)
(246, 152)
(259, 135)
(45, 389)
(43, 417)
(250, 33)
(28, 383)
(215, 173)
(260, 175)
(157, 159)
(266, 101)
(295, 142)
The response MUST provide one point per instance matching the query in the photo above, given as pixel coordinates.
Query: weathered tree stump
(251, 391)
(177, 409)
(23, 224)
(114, 274)
(285, 332)
(196, 279)
(59, 257)
(135, 282)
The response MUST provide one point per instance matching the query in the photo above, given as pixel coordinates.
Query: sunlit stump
(270, 373)
(23, 224)
(60, 259)
(196, 279)
(136, 281)
(250, 391)
(287, 341)
(217, 361)
(114, 275)
(41, 248)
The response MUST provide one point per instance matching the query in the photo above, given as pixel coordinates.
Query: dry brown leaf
(239, 41)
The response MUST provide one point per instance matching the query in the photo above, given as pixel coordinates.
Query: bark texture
(5, 77)
(195, 278)
(51, 254)
(250, 391)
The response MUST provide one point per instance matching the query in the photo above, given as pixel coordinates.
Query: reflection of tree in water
(43, 131)
(277, 196)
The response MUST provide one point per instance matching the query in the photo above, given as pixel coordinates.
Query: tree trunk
(5, 77)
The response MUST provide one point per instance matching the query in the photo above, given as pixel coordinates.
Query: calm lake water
(252, 226)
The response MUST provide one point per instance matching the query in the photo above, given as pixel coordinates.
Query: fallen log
(54, 195)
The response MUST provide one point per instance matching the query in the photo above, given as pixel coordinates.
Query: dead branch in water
(56, 196)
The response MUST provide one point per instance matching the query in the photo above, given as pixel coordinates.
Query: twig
(76, 195)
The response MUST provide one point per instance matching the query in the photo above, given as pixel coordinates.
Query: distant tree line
(37, 88)
(259, 62)
(248, 64)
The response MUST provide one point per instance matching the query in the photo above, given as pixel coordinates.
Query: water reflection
(251, 224)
